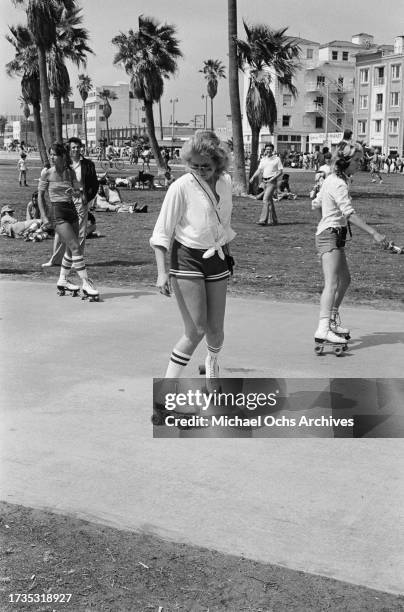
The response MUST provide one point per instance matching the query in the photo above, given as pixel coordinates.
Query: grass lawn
(273, 262)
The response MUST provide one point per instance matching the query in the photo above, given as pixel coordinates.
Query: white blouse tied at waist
(188, 214)
(335, 203)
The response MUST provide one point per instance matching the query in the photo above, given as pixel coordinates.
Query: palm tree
(84, 86)
(239, 178)
(213, 71)
(25, 64)
(149, 56)
(59, 85)
(71, 45)
(267, 54)
(42, 18)
(27, 112)
(106, 95)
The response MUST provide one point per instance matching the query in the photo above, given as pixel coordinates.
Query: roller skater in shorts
(337, 213)
(61, 183)
(200, 258)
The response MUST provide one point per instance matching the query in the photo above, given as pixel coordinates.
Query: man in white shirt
(270, 169)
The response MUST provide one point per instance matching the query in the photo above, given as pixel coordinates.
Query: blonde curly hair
(206, 143)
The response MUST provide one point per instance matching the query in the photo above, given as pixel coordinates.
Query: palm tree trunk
(36, 113)
(46, 112)
(85, 126)
(255, 138)
(58, 119)
(211, 114)
(148, 106)
(161, 121)
(106, 119)
(239, 177)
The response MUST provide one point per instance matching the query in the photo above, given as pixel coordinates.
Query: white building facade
(324, 106)
(379, 106)
(127, 112)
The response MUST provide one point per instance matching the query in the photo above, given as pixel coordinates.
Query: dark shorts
(188, 263)
(330, 239)
(64, 212)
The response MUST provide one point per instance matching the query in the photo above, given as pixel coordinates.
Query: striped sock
(214, 351)
(177, 363)
(79, 266)
(65, 267)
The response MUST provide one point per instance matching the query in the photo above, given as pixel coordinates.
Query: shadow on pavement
(377, 339)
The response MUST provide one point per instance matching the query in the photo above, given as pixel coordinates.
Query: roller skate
(336, 327)
(393, 248)
(65, 286)
(89, 292)
(337, 344)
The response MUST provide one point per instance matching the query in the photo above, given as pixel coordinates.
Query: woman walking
(337, 213)
(196, 212)
(61, 184)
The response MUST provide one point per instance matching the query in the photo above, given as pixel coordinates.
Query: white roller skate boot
(65, 286)
(211, 367)
(89, 292)
(336, 327)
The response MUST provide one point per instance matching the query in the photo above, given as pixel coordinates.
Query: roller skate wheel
(318, 350)
(345, 347)
(202, 369)
(338, 351)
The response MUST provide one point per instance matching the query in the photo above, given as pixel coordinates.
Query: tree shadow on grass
(117, 262)
(13, 271)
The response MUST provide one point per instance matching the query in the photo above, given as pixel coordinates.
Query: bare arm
(163, 279)
(356, 220)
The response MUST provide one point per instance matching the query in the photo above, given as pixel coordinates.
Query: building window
(364, 102)
(345, 56)
(309, 54)
(294, 138)
(362, 127)
(285, 120)
(287, 99)
(395, 98)
(102, 118)
(393, 126)
(395, 72)
(339, 122)
(320, 81)
(340, 83)
(364, 76)
(319, 122)
(379, 102)
(378, 126)
(283, 138)
(334, 55)
(379, 75)
(100, 106)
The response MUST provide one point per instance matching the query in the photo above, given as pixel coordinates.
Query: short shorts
(330, 239)
(189, 263)
(64, 212)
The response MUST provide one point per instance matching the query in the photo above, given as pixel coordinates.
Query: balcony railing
(379, 107)
(314, 107)
(379, 80)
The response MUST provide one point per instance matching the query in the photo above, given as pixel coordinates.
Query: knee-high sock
(177, 363)
(66, 266)
(80, 266)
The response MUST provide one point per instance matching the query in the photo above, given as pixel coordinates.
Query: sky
(202, 31)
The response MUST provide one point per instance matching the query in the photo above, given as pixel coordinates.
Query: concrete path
(77, 438)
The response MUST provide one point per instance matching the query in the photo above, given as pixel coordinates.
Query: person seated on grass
(103, 202)
(168, 177)
(33, 211)
(284, 192)
(11, 227)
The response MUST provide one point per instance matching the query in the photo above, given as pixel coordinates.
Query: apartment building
(379, 106)
(126, 111)
(324, 105)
